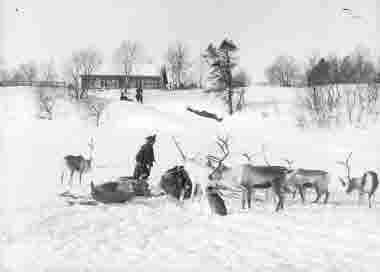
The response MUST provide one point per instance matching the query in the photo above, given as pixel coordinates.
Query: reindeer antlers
(223, 144)
(249, 157)
(346, 164)
(264, 155)
(183, 156)
(289, 162)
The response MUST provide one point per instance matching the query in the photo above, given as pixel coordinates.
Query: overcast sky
(262, 29)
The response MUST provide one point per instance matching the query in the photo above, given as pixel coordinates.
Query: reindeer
(305, 178)
(366, 184)
(78, 164)
(198, 171)
(248, 177)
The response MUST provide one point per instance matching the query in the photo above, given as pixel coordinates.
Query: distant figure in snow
(139, 93)
(145, 159)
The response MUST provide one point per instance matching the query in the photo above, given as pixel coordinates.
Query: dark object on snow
(141, 171)
(206, 114)
(124, 97)
(139, 93)
(112, 192)
(176, 182)
(140, 187)
(164, 76)
(215, 201)
(145, 159)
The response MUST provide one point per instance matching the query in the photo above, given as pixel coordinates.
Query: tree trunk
(229, 84)
(230, 106)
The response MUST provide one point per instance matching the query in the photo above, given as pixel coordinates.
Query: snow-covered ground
(40, 232)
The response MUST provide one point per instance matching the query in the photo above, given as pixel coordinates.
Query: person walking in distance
(145, 159)
(139, 93)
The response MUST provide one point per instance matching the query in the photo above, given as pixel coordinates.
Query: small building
(119, 81)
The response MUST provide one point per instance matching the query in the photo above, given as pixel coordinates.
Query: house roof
(148, 69)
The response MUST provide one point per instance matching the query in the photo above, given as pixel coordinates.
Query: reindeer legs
(62, 176)
(317, 191)
(276, 183)
(249, 196)
(301, 192)
(80, 178)
(244, 197)
(327, 194)
(71, 177)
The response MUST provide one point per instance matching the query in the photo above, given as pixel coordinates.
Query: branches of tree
(222, 61)
(24, 72)
(358, 67)
(206, 114)
(128, 56)
(354, 68)
(284, 71)
(48, 71)
(177, 61)
(82, 62)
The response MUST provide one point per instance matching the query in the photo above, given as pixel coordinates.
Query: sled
(121, 190)
(72, 199)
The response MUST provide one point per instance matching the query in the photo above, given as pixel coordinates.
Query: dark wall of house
(118, 82)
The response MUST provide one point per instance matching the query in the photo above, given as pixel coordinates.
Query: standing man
(145, 159)
(139, 93)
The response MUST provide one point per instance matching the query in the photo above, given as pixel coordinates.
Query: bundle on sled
(119, 191)
(176, 183)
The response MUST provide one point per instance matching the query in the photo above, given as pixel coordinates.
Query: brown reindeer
(77, 163)
(248, 177)
(366, 184)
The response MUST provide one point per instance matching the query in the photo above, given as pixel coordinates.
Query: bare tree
(364, 68)
(284, 71)
(4, 74)
(177, 59)
(28, 70)
(48, 70)
(83, 62)
(199, 71)
(127, 56)
(241, 80)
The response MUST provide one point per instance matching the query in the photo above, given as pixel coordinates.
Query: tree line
(215, 68)
(178, 66)
(356, 67)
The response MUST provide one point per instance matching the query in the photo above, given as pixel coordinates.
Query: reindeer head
(346, 182)
(220, 169)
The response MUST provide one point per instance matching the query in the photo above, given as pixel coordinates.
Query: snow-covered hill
(39, 232)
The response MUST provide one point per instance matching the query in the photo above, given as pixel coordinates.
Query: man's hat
(151, 138)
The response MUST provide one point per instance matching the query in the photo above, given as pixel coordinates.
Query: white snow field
(40, 232)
